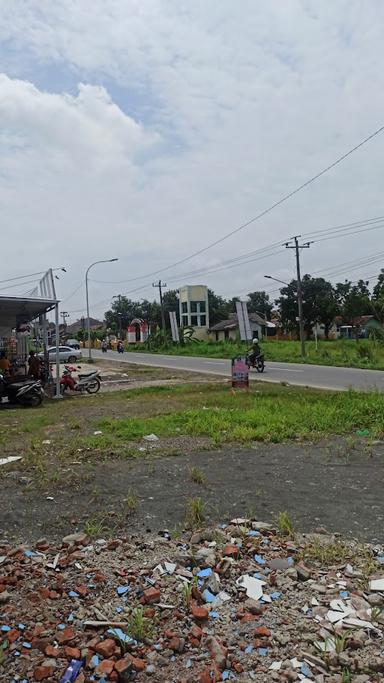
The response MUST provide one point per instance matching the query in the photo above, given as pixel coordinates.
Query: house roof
(232, 323)
(80, 324)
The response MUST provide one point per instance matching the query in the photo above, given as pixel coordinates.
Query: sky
(145, 130)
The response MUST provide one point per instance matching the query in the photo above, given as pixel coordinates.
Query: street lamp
(110, 260)
(277, 280)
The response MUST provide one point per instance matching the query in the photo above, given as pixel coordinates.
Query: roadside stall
(24, 327)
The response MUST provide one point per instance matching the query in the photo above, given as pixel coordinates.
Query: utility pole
(159, 286)
(296, 246)
(64, 315)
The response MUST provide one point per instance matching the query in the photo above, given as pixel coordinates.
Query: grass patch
(326, 554)
(139, 627)
(194, 513)
(197, 476)
(285, 524)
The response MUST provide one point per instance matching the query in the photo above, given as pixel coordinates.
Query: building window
(194, 306)
(202, 306)
(184, 307)
(202, 321)
(185, 320)
(194, 319)
(226, 334)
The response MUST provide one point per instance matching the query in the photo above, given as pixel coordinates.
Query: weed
(325, 553)
(94, 527)
(187, 590)
(285, 524)
(340, 641)
(195, 512)
(346, 676)
(375, 614)
(2, 654)
(197, 476)
(131, 501)
(139, 627)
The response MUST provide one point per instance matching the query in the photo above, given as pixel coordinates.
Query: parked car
(73, 343)
(66, 354)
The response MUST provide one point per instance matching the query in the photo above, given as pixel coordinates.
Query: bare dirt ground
(332, 484)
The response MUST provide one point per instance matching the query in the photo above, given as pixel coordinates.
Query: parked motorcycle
(28, 392)
(89, 381)
(256, 362)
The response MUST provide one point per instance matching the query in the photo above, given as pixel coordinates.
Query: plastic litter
(72, 672)
(151, 437)
(11, 458)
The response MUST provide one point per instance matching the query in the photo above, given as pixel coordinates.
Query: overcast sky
(146, 129)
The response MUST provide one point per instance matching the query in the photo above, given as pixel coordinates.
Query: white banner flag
(243, 319)
(174, 327)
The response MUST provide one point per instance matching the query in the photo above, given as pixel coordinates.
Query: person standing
(33, 365)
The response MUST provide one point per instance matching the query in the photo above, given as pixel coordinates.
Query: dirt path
(333, 485)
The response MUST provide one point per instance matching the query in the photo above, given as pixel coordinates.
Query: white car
(66, 354)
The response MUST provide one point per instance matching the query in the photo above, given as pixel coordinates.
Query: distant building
(81, 324)
(229, 329)
(194, 309)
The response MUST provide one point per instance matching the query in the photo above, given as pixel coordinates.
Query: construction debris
(240, 602)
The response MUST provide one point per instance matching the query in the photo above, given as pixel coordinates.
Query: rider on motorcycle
(254, 351)
(104, 345)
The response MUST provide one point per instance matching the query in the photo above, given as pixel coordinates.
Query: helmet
(255, 340)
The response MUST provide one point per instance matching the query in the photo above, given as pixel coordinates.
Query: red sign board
(240, 373)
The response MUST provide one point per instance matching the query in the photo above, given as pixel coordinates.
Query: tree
(171, 303)
(319, 304)
(219, 308)
(355, 304)
(377, 300)
(259, 302)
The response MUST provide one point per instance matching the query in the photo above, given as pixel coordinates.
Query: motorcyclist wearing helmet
(254, 351)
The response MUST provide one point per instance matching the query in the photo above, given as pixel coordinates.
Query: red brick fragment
(72, 652)
(199, 613)
(51, 651)
(123, 665)
(41, 673)
(81, 590)
(106, 648)
(105, 667)
(152, 595)
(262, 631)
(231, 550)
(66, 635)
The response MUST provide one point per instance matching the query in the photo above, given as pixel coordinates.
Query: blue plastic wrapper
(72, 672)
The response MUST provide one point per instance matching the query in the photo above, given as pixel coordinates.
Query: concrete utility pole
(159, 286)
(296, 246)
(64, 315)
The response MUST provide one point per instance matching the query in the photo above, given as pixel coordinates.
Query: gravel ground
(235, 602)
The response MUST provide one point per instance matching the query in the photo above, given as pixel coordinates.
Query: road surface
(318, 376)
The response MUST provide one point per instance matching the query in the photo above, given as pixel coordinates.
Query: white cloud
(241, 103)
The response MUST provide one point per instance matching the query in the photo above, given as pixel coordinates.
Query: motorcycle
(28, 392)
(104, 347)
(256, 362)
(89, 381)
(120, 348)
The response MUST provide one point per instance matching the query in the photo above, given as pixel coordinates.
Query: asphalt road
(318, 376)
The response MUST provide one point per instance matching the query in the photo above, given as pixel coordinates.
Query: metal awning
(14, 307)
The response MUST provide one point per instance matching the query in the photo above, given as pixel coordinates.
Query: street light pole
(276, 279)
(110, 260)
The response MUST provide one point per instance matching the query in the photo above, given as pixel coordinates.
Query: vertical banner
(240, 373)
(243, 319)
(174, 327)
(131, 335)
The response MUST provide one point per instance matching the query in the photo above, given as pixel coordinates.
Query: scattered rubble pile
(238, 602)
